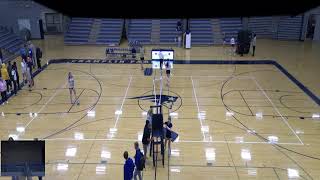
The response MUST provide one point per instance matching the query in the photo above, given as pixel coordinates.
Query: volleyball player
(161, 59)
(71, 87)
(168, 71)
(141, 62)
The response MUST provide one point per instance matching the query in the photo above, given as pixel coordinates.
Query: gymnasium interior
(92, 85)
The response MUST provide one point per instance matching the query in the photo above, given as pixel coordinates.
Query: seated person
(133, 51)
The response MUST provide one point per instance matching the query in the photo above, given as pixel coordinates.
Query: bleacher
(289, 28)
(230, 26)
(140, 30)
(168, 32)
(201, 31)
(78, 31)
(262, 26)
(9, 41)
(110, 31)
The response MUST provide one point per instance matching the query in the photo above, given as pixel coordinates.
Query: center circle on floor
(169, 100)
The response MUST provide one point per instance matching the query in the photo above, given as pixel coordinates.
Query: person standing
(149, 116)
(168, 126)
(168, 71)
(29, 73)
(179, 26)
(254, 42)
(3, 90)
(29, 64)
(146, 138)
(138, 161)
(141, 63)
(9, 68)
(161, 57)
(128, 167)
(14, 66)
(232, 43)
(24, 70)
(133, 52)
(71, 88)
(32, 53)
(23, 51)
(14, 76)
(29, 79)
(224, 39)
(142, 57)
(5, 76)
(38, 56)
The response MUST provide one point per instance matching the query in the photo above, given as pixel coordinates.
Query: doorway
(53, 23)
(311, 27)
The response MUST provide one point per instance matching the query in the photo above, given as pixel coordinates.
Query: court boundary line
(180, 76)
(198, 108)
(180, 141)
(123, 100)
(275, 108)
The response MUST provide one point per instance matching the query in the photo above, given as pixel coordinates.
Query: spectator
(29, 73)
(232, 43)
(32, 53)
(9, 68)
(38, 56)
(14, 79)
(29, 64)
(133, 52)
(23, 51)
(146, 138)
(14, 66)
(128, 167)
(179, 26)
(24, 70)
(1, 54)
(179, 30)
(5, 75)
(29, 78)
(3, 90)
(138, 161)
(254, 41)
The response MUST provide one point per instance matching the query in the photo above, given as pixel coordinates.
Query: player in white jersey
(71, 87)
